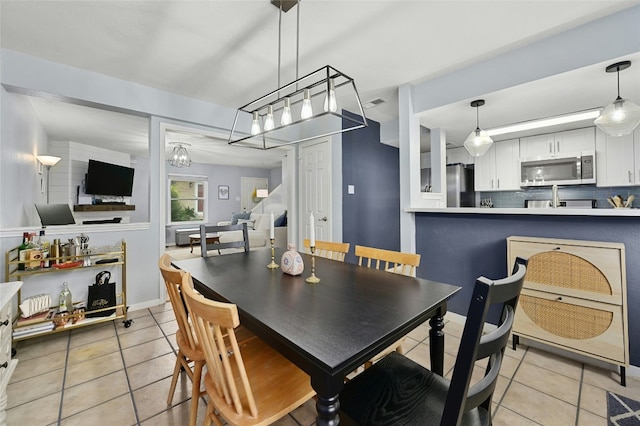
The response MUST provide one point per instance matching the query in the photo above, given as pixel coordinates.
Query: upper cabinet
(459, 155)
(618, 159)
(559, 143)
(499, 168)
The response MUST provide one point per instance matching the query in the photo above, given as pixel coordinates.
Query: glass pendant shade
(330, 101)
(619, 118)
(478, 143)
(269, 124)
(180, 157)
(255, 124)
(286, 112)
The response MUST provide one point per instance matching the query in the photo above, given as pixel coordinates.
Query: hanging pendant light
(478, 142)
(180, 157)
(622, 116)
(303, 116)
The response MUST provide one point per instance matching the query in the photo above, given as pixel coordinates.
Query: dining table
(330, 328)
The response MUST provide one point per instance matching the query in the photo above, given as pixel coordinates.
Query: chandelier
(180, 156)
(305, 109)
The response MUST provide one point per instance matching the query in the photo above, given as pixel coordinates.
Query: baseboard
(147, 304)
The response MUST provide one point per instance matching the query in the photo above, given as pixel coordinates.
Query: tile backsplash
(515, 199)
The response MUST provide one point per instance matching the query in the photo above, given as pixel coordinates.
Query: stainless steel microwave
(574, 169)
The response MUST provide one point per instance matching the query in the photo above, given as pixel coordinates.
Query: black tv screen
(55, 214)
(109, 179)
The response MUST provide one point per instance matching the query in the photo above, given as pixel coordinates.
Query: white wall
(21, 140)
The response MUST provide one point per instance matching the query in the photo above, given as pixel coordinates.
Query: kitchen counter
(523, 211)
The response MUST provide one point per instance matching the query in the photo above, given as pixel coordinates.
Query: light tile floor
(120, 376)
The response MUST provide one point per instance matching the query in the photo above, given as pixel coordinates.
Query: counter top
(523, 211)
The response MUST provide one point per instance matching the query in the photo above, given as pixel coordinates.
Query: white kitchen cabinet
(553, 144)
(459, 155)
(615, 160)
(499, 168)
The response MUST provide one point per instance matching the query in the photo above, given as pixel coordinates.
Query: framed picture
(223, 192)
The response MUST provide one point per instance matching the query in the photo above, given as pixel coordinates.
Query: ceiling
(226, 52)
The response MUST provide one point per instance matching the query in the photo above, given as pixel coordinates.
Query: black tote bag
(102, 295)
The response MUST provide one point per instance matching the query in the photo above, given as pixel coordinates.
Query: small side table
(211, 239)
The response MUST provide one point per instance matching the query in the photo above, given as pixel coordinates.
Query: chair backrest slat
(328, 249)
(213, 320)
(213, 229)
(173, 281)
(475, 345)
(393, 261)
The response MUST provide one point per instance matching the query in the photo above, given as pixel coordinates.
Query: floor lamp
(48, 161)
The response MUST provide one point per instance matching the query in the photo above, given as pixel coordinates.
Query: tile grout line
(126, 375)
(506, 389)
(579, 394)
(64, 377)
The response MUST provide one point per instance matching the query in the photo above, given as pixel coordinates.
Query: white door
(248, 188)
(315, 189)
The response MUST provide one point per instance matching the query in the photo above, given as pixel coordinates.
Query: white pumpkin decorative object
(291, 262)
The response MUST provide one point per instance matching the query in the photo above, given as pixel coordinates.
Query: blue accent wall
(371, 216)
(457, 248)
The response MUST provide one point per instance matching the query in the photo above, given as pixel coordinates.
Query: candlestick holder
(272, 265)
(312, 278)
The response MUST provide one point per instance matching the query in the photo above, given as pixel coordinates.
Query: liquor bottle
(65, 305)
(23, 250)
(43, 245)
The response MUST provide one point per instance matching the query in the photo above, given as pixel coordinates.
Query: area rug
(622, 411)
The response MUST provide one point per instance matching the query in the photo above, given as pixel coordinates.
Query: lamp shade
(48, 160)
(478, 143)
(262, 193)
(619, 118)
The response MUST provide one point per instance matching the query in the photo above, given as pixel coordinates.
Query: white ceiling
(226, 52)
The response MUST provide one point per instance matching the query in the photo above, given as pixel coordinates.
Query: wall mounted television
(109, 179)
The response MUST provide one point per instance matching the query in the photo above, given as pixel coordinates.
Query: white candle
(312, 231)
(271, 229)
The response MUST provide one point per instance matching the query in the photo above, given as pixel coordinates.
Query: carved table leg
(436, 342)
(327, 403)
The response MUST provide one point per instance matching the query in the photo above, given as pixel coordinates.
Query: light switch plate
(351, 189)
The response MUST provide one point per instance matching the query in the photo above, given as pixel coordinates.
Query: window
(188, 195)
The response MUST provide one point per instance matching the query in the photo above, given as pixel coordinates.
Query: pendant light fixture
(622, 116)
(180, 157)
(478, 142)
(308, 108)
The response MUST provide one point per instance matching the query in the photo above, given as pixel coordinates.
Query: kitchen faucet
(555, 201)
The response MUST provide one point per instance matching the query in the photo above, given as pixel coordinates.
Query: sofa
(258, 225)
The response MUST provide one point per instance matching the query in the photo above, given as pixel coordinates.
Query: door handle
(629, 174)
(324, 219)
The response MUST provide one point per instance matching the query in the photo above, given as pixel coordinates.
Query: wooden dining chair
(188, 349)
(215, 229)
(249, 383)
(328, 249)
(398, 391)
(391, 261)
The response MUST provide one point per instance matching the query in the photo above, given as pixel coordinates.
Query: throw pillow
(280, 220)
(249, 223)
(236, 216)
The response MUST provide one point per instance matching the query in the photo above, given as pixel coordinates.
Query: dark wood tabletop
(330, 328)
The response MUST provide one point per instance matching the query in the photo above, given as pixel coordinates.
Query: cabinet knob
(558, 248)
(558, 298)
(5, 322)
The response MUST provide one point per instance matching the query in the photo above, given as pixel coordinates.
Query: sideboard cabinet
(574, 297)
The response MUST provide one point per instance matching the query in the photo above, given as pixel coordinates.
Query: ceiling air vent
(373, 102)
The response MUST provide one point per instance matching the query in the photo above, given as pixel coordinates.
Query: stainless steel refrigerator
(460, 189)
